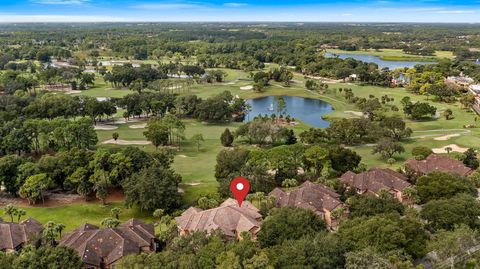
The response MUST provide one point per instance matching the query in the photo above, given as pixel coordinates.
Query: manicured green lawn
(74, 215)
(202, 172)
(197, 166)
(102, 89)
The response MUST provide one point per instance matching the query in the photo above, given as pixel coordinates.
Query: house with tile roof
(375, 180)
(102, 248)
(229, 218)
(438, 163)
(13, 236)
(316, 197)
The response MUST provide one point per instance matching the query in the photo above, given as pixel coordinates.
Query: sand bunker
(182, 156)
(72, 92)
(127, 142)
(355, 113)
(123, 121)
(326, 80)
(455, 148)
(138, 126)
(246, 88)
(445, 137)
(105, 127)
(193, 184)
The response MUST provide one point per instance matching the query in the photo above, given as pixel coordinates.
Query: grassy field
(397, 54)
(237, 79)
(102, 89)
(422, 133)
(197, 166)
(72, 216)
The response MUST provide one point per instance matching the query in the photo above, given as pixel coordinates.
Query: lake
(376, 59)
(308, 110)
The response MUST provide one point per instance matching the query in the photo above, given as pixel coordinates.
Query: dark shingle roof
(228, 217)
(95, 245)
(316, 197)
(376, 179)
(437, 163)
(13, 235)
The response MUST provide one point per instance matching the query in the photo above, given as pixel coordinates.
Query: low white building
(475, 89)
(461, 80)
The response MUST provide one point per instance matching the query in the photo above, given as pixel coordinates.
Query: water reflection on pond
(376, 59)
(307, 110)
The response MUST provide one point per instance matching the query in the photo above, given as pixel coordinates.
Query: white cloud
(455, 12)
(60, 2)
(347, 14)
(235, 4)
(431, 10)
(167, 6)
(15, 18)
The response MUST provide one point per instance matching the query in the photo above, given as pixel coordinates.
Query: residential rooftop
(14, 235)
(309, 195)
(438, 163)
(229, 218)
(104, 246)
(375, 180)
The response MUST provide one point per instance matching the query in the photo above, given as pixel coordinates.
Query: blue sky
(239, 10)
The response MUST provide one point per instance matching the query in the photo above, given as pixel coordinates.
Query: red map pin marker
(240, 188)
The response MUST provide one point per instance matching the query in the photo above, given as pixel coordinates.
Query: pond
(376, 59)
(308, 110)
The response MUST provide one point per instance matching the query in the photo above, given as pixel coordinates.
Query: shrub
(421, 151)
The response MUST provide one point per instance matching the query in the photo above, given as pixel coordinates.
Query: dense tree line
(358, 131)
(45, 257)
(293, 237)
(36, 135)
(126, 75)
(268, 168)
(95, 172)
(48, 141)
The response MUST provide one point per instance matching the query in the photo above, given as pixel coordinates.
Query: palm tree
(110, 223)
(115, 212)
(20, 213)
(10, 210)
(337, 212)
(262, 201)
(158, 214)
(50, 232)
(391, 161)
(384, 194)
(412, 195)
(59, 229)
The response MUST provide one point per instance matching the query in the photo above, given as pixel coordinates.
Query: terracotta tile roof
(97, 246)
(228, 217)
(376, 179)
(316, 197)
(439, 163)
(13, 235)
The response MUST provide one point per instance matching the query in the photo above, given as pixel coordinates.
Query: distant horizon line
(240, 21)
